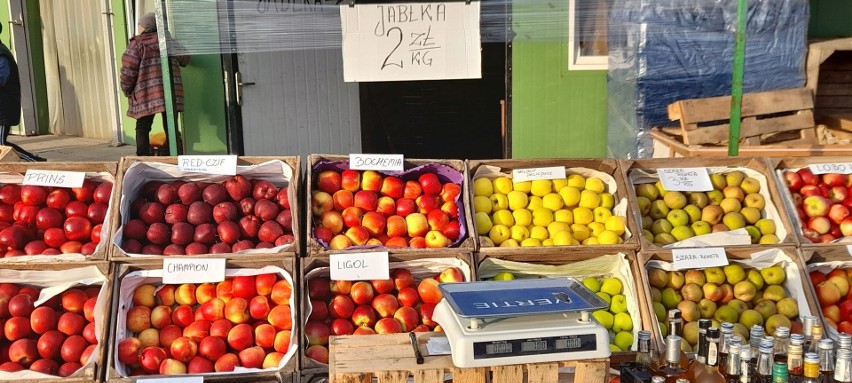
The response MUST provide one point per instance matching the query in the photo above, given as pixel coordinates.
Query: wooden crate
(779, 165)
(792, 284)
(118, 255)
(94, 372)
(308, 366)
(315, 248)
(286, 374)
(7, 154)
(101, 171)
(814, 255)
(772, 195)
(773, 123)
(829, 76)
(608, 166)
(547, 265)
(391, 360)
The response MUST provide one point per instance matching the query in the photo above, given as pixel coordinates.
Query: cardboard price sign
(840, 168)
(411, 41)
(193, 270)
(699, 258)
(549, 173)
(359, 266)
(390, 162)
(53, 178)
(222, 165)
(685, 179)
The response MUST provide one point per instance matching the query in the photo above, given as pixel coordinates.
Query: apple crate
(824, 259)
(604, 169)
(130, 276)
(7, 154)
(793, 200)
(638, 172)
(353, 359)
(53, 279)
(424, 265)
(447, 171)
(750, 258)
(135, 172)
(592, 264)
(97, 172)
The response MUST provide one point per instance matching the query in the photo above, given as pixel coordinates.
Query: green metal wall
(555, 112)
(830, 18)
(33, 24)
(204, 95)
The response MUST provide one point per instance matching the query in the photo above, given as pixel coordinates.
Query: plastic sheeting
(664, 51)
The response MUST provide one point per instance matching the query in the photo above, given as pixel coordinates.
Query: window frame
(576, 61)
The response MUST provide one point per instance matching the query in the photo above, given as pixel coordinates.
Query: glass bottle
(807, 323)
(645, 354)
(779, 372)
(811, 368)
(675, 320)
(842, 372)
(826, 360)
(754, 337)
(672, 370)
(697, 365)
(710, 373)
(844, 341)
(782, 344)
(764, 362)
(727, 331)
(795, 362)
(747, 373)
(816, 336)
(732, 370)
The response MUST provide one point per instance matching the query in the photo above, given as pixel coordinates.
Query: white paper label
(62, 179)
(841, 168)
(186, 379)
(849, 249)
(685, 179)
(550, 173)
(391, 162)
(193, 270)
(411, 41)
(699, 258)
(223, 165)
(359, 266)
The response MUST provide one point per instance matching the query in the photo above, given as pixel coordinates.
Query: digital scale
(493, 323)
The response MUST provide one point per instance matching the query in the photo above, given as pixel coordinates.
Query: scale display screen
(534, 346)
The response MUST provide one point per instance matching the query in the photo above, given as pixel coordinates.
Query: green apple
(775, 321)
(773, 275)
(755, 278)
(605, 297)
(726, 314)
(718, 181)
(714, 275)
(605, 318)
(739, 305)
(734, 273)
(504, 276)
(751, 318)
(664, 239)
(766, 226)
(661, 226)
(658, 278)
(659, 311)
(698, 199)
(751, 215)
(670, 298)
(483, 223)
(619, 304)
(658, 209)
(624, 339)
(754, 233)
(499, 233)
(701, 228)
(675, 200)
(678, 217)
(707, 308)
(766, 308)
(735, 178)
(774, 293)
(750, 185)
(694, 213)
(715, 197)
(592, 284)
(682, 232)
(689, 311)
(788, 307)
(734, 220)
(755, 200)
(648, 191)
(611, 286)
(676, 279)
(644, 205)
(622, 322)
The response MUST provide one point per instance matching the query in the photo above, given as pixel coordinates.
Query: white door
(21, 46)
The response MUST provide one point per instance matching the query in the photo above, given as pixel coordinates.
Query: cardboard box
(601, 168)
(753, 167)
(63, 276)
(13, 173)
(779, 167)
(595, 263)
(165, 169)
(465, 242)
(426, 264)
(129, 276)
(795, 282)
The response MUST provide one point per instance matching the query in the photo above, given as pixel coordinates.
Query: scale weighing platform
(493, 323)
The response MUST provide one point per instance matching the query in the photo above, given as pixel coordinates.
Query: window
(587, 34)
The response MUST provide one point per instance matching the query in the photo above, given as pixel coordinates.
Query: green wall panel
(4, 18)
(37, 59)
(830, 18)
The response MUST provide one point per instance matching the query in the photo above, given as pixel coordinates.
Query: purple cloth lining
(445, 174)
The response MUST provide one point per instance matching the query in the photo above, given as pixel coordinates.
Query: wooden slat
(429, 376)
(469, 375)
(507, 374)
(392, 376)
(842, 122)
(750, 128)
(834, 102)
(834, 77)
(542, 372)
(353, 378)
(754, 104)
(828, 89)
(589, 372)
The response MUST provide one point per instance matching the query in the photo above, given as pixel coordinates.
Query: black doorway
(446, 119)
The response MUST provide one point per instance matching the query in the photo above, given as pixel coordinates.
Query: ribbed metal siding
(80, 85)
(298, 104)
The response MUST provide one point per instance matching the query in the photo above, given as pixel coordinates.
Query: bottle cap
(797, 339)
(674, 314)
(811, 358)
(844, 354)
(769, 338)
(816, 329)
(734, 348)
(766, 343)
(704, 323)
(736, 339)
(745, 353)
(780, 370)
(844, 341)
(807, 322)
(826, 344)
(794, 348)
(644, 335)
(658, 379)
(727, 325)
(713, 333)
(766, 348)
(782, 332)
(673, 348)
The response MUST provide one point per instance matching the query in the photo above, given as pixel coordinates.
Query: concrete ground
(71, 148)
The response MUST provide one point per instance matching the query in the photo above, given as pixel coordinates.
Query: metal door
(294, 102)
(81, 81)
(21, 46)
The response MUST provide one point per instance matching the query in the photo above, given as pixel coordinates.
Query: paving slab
(72, 148)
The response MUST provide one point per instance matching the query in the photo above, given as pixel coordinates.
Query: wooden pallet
(764, 116)
(390, 359)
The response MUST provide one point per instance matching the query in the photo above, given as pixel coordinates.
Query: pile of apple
(835, 297)
(56, 338)
(389, 306)
(734, 203)
(355, 208)
(822, 203)
(744, 297)
(202, 328)
(569, 211)
(190, 218)
(37, 220)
